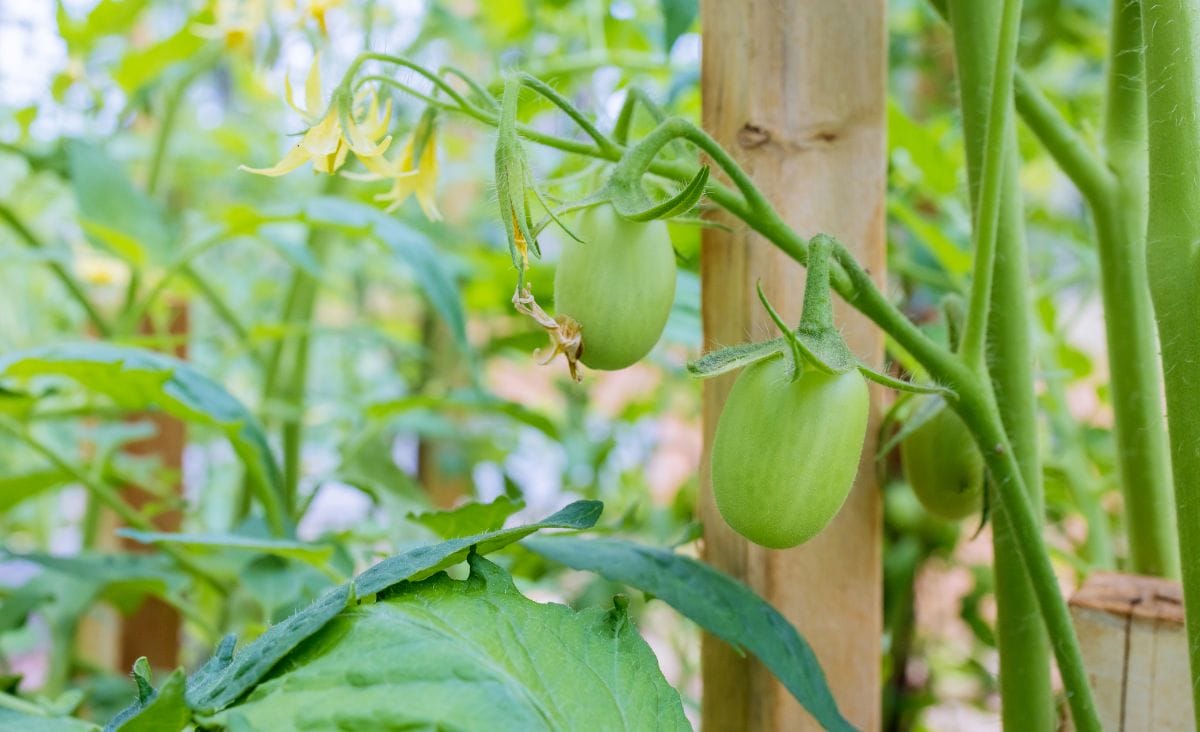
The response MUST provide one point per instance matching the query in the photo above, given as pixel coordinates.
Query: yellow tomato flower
(331, 137)
(410, 176)
(236, 21)
(314, 9)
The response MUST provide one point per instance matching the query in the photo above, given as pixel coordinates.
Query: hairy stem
(1142, 458)
(1173, 263)
(1027, 699)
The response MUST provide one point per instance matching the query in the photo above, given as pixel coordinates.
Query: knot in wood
(752, 136)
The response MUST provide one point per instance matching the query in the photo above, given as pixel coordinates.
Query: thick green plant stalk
(1141, 438)
(1116, 193)
(1172, 30)
(1027, 699)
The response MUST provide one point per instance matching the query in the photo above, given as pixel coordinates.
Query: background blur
(390, 400)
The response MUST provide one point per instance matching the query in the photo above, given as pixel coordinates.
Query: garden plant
(460, 185)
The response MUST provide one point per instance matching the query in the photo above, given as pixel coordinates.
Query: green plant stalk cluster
(1172, 28)
(1027, 699)
(1116, 192)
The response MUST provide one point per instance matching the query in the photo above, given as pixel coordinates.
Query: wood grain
(795, 89)
(1134, 647)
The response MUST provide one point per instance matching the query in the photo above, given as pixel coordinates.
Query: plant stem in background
(1172, 28)
(26, 235)
(1026, 695)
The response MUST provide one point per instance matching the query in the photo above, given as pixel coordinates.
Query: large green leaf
(226, 677)
(115, 215)
(136, 379)
(424, 561)
(474, 654)
(678, 16)
(722, 606)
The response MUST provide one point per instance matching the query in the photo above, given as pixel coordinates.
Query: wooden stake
(1134, 646)
(154, 629)
(795, 89)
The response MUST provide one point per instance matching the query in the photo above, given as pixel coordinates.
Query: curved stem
(1077, 160)
(578, 117)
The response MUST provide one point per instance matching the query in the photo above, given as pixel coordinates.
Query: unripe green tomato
(944, 466)
(786, 452)
(618, 284)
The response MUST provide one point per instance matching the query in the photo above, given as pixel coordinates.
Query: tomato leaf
(227, 677)
(471, 518)
(136, 380)
(155, 710)
(473, 654)
(424, 561)
(115, 215)
(678, 16)
(719, 604)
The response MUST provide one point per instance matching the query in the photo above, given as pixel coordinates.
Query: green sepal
(901, 385)
(512, 175)
(631, 201)
(724, 360)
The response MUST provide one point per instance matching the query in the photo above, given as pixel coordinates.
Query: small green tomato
(944, 466)
(786, 452)
(618, 285)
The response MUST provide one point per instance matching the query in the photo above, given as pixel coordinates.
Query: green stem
(1073, 155)
(995, 136)
(170, 115)
(1117, 198)
(26, 235)
(1142, 454)
(1173, 263)
(1001, 317)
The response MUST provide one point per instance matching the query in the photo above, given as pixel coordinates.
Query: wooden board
(1135, 650)
(795, 90)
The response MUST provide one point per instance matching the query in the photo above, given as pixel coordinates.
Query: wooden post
(1135, 649)
(795, 89)
(154, 629)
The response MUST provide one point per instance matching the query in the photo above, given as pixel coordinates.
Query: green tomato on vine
(617, 283)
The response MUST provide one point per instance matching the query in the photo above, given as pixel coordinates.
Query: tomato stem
(1173, 264)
